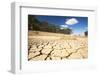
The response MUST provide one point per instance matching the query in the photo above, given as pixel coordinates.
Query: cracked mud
(56, 47)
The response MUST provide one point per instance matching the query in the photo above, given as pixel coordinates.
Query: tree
(66, 31)
(86, 33)
(35, 24)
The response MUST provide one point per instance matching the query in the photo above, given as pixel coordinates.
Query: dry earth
(53, 46)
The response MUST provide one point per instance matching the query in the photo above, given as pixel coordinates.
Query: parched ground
(53, 46)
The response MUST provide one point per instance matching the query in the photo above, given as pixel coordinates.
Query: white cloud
(71, 21)
(63, 26)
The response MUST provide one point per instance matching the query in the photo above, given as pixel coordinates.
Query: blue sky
(77, 24)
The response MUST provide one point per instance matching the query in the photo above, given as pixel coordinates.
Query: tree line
(36, 25)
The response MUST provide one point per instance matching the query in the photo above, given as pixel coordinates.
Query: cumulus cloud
(71, 21)
(63, 26)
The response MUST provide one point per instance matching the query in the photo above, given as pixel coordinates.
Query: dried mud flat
(52, 46)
